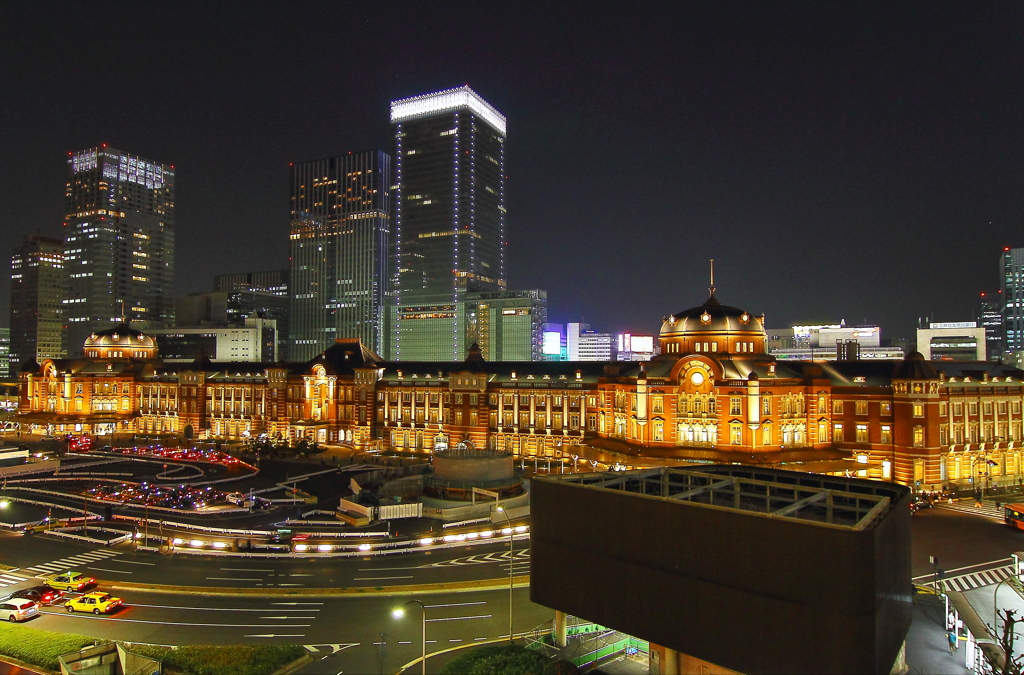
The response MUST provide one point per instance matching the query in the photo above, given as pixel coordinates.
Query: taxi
(68, 581)
(93, 602)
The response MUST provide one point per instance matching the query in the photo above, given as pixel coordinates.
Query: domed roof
(121, 335)
(712, 316)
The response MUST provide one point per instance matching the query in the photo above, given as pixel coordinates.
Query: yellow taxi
(68, 581)
(93, 602)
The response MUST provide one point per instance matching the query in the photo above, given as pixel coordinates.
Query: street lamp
(995, 597)
(399, 612)
(511, 533)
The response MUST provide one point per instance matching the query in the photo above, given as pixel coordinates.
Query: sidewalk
(927, 645)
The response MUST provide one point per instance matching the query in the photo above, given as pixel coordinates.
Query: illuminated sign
(552, 344)
(955, 324)
(642, 343)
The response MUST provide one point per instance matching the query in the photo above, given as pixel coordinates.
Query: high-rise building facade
(1011, 274)
(118, 243)
(340, 225)
(38, 285)
(991, 318)
(5, 353)
(273, 281)
(507, 325)
(449, 219)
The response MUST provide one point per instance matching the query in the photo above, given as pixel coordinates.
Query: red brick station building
(713, 395)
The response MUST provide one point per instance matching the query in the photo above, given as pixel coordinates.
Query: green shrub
(499, 660)
(39, 647)
(223, 660)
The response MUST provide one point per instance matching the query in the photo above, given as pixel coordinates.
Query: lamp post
(995, 597)
(400, 612)
(511, 533)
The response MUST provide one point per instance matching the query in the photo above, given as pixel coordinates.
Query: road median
(448, 587)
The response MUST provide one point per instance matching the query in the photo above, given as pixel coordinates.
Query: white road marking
(300, 575)
(335, 647)
(405, 643)
(104, 569)
(132, 562)
(296, 603)
(478, 639)
(455, 640)
(284, 618)
(232, 579)
(220, 609)
(289, 584)
(460, 604)
(274, 635)
(242, 569)
(378, 578)
(460, 618)
(185, 623)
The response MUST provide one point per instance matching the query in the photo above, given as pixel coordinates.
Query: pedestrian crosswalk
(19, 574)
(10, 577)
(986, 510)
(966, 582)
(522, 555)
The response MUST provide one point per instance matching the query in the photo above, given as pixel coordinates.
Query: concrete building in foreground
(750, 587)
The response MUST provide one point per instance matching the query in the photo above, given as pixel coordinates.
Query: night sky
(858, 161)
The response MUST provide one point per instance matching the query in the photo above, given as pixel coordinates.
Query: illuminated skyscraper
(38, 283)
(1011, 272)
(340, 220)
(118, 244)
(449, 232)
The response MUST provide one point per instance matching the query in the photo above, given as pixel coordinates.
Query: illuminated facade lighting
(120, 217)
(449, 231)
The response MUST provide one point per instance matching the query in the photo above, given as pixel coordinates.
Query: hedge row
(40, 648)
(506, 660)
(223, 660)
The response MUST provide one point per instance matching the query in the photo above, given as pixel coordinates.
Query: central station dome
(120, 342)
(713, 327)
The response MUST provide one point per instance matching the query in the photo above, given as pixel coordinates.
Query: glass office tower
(118, 243)
(340, 223)
(38, 286)
(449, 219)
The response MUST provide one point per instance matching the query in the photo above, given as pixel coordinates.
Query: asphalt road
(345, 632)
(959, 540)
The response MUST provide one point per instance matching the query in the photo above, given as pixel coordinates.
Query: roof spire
(711, 288)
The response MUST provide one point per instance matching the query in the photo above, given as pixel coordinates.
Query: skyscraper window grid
(449, 235)
(339, 238)
(118, 243)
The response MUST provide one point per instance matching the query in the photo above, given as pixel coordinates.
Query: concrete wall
(749, 592)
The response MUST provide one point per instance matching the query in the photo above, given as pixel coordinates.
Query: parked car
(18, 609)
(42, 595)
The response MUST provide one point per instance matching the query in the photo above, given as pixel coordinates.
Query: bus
(1013, 514)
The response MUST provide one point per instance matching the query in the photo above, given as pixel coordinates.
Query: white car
(17, 609)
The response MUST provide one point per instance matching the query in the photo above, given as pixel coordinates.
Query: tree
(1012, 665)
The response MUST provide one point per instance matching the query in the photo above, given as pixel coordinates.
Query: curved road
(343, 630)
